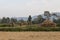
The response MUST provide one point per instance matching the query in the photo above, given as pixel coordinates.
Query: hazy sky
(23, 8)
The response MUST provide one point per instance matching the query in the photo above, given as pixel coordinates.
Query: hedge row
(30, 28)
(5, 25)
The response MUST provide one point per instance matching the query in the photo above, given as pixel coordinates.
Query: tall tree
(8, 20)
(29, 19)
(54, 14)
(3, 20)
(35, 21)
(13, 20)
(57, 22)
(40, 19)
(47, 14)
(21, 21)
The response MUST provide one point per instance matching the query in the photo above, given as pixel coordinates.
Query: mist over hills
(26, 18)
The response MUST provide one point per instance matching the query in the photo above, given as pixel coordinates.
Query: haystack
(48, 23)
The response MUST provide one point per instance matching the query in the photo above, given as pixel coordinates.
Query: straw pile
(48, 23)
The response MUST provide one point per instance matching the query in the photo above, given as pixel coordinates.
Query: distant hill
(19, 18)
(57, 13)
(26, 18)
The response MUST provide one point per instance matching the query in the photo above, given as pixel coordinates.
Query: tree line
(37, 20)
(8, 20)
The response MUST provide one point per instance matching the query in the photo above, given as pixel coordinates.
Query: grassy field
(29, 28)
(29, 35)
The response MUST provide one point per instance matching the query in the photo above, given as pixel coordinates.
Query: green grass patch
(30, 28)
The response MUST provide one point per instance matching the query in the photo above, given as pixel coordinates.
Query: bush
(5, 25)
(30, 28)
(10, 29)
(58, 24)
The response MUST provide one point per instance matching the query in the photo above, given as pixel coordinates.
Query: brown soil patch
(29, 35)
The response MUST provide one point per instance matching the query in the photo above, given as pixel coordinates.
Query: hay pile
(48, 23)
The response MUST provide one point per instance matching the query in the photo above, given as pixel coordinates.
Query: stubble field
(29, 35)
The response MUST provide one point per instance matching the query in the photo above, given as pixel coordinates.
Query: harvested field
(29, 35)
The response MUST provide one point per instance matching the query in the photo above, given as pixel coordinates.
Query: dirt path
(29, 35)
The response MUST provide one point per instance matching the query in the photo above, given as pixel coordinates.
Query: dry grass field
(29, 35)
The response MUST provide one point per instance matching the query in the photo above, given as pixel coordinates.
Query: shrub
(5, 25)
(30, 28)
(58, 24)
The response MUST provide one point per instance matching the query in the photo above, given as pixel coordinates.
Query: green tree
(47, 14)
(29, 19)
(57, 22)
(21, 21)
(13, 20)
(35, 21)
(3, 20)
(54, 14)
(0, 20)
(38, 20)
(8, 20)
